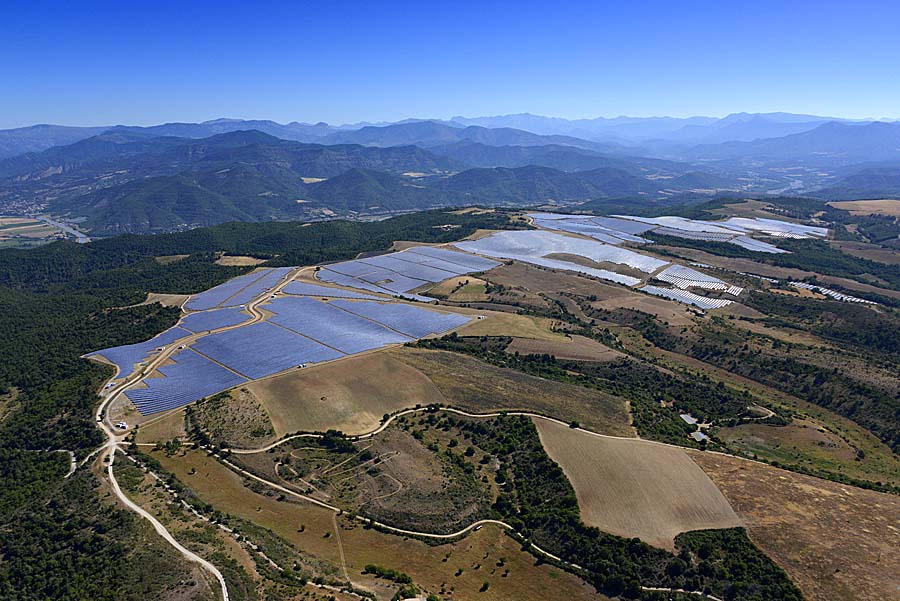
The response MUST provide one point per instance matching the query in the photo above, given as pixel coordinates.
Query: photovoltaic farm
(127, 356)
(304, 324)
(189, 378)
(398, 273)
(618, 229)
(238, 291)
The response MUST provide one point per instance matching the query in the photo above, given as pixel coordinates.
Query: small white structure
(689, 419)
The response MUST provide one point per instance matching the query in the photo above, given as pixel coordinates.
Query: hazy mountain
(433, 133)
(41, 137)
(872, 182)
(828, 144)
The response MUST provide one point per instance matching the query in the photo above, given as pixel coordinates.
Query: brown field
(576, 348)
(869, 207)
(350, 395)
(873, 252)
(635, 488)
(472, 289)
(799, 292)
(529, 277)
(802, 435)
(670, 312)
(169, 259)
(166, 300)
(510, 324)
(238, 261)
(236, 419)
(429, 566)
(472, 385)
(166, 427)
(835, 541)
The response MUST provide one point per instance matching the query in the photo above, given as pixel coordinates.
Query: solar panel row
(305, 289)
(262, 349)
(330, 325)
(263, 284)
(406, 319)
(219, 294)
(190, 378)
(686, 297)
(126, 356)
(213, 320)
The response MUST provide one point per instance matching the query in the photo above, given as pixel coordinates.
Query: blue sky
(91, 63)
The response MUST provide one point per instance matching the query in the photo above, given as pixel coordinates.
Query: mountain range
(182, 175)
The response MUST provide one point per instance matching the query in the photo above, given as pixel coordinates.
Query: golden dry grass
(472, 385)
(238, 261)
(166, 427)
(835, 541)
(166, 300)
(576, 348)
(350, 395)
(869, 207)
(461, 289)
(634, 488)
(217, 485)
(496, 323)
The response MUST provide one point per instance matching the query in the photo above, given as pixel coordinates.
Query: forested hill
(62, 300)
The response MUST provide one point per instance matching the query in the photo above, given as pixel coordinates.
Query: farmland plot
(633, 488)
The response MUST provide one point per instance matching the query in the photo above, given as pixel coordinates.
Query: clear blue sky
(89, 63)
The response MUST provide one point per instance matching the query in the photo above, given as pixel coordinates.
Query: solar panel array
(585, 225)
(398, 273)
(203, 321)
(689, 298)
(832, 293)
(305, 289)
(534, 246)
(262, 349)
(126, 356)
(773, 227)
(331, 325)
(756, 245)
(685, 277)
(190, 378)
(406, 319)
(238, 291)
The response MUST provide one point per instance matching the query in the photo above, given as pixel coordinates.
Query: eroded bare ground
(834, 541)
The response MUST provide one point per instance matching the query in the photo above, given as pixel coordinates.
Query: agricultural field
(24, 232)
(835, 541)
(323, 397)
(473, 385)
(890, 208)
(636, 489)
(510, 324)
(576, 348)
(238, 261)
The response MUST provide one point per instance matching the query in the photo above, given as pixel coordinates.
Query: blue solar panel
(262, 349)
(410, 269)
(219, 294)
(213, 320)
(395, 282)
(304, 289)
(326, 275)
(409, 320)
(470, 262)
(126, 356)
(432, 262)
(190, 378)
(347, 332)
(268, 281)
(354, 268)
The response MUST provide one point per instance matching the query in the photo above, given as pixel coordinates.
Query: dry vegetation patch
(576, 348)
(472, 385)
(634, 488)
(235, 418)
(165, 427)
(869, 207)
(835, 541)
(238, 261)
(350, 395)
(510, 324)
(312, 529)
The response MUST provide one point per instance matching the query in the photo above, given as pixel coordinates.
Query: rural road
(114, 438)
